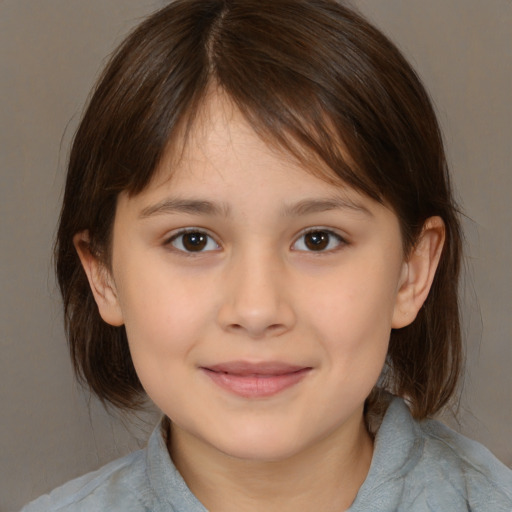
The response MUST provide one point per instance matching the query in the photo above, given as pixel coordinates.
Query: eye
(193, 241)
(318, 240)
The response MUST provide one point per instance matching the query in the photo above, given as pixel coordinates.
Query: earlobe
(100, 281)
(418, 272)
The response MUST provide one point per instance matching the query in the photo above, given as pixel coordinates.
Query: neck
(325, 477)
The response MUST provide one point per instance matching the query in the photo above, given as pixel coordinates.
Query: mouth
(256, 380)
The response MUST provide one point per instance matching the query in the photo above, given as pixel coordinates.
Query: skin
(257, 292)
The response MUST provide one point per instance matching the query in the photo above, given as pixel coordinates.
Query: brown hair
(311, 76)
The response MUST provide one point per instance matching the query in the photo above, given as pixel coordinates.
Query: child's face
(263, 328)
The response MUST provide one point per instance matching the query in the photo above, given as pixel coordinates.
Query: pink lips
(258, 380)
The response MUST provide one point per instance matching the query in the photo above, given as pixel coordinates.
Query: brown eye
(193, 241)
(318, 240)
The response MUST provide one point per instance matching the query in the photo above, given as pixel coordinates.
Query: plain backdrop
(50, 54)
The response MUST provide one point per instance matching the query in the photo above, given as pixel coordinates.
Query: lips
(255, 380)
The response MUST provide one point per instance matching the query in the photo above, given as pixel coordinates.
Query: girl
(258, 233)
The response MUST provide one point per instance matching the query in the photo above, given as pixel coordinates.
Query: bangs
(329, 92)
(306, 88)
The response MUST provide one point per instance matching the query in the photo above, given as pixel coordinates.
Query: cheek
(164, 322)
(353, 311)
(164, 316)
(366, 298)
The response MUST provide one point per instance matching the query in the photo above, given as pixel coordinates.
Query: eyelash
(340, 241)
(191, 231)
(207, 239)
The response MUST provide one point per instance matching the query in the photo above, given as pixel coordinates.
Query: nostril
(257, 332)
(257, 315)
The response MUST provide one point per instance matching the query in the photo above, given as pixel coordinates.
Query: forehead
(221, 137)
(225, 167)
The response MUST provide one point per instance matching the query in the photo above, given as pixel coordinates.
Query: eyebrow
(308, 206)
(204, 207)
(191, 206)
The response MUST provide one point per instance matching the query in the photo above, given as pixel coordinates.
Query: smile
(259, 380)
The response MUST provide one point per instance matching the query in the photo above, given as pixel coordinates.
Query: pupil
(317, 240)
(194, 241)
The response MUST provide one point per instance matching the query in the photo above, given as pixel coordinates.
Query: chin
(260, 444)
(259, 452)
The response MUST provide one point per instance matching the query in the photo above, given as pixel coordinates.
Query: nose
(255, 297)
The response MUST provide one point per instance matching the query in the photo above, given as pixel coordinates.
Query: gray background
(50, 54)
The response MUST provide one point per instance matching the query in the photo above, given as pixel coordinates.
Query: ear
(418, 272)
(100, 281)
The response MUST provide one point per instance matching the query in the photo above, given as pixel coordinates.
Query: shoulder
(428, 466)
(121, 483)
(467, 466)
(425, 466)
(144, 481)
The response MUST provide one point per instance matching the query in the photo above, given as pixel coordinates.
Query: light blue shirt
(416, 467)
